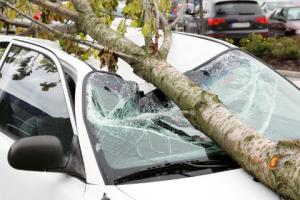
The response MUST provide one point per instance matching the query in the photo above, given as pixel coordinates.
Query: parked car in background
(176, 7)
(229, 19)
(268, 6)
(285, 22)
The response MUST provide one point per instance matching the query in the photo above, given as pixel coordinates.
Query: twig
(182, 9)
(60, 34)
(158, 13)
(57, 8)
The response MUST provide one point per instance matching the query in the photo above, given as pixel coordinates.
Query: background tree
(274, 163)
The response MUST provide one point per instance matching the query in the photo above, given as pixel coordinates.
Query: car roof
(71, 64)
(187, 52)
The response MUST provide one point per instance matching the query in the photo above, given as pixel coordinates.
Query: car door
(277, 23)
(34, 101)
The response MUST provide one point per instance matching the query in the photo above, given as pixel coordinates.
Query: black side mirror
(37, 153)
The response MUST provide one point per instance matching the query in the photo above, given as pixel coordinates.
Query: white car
(70, 132)
(269, 6)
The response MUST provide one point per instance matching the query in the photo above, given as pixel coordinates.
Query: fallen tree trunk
(276, 164)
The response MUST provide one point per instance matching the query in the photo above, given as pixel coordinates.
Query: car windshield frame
(109, 174)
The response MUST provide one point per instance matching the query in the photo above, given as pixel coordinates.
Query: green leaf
(85, 56)
(122, 27)
(82, 36)
(134, 23)
(146, 29)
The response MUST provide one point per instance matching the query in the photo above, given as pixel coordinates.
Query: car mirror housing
(37, 153)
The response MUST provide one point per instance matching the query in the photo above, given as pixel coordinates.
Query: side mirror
(37, 153)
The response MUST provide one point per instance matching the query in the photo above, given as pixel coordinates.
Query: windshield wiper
(181, 168)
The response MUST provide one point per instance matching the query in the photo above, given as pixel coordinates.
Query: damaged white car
(70, 132)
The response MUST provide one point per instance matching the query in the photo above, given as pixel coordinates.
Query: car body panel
(235, 183)
(295, 25)
(79, 69)
(233, 25)
(183, 44)
(105, 193)
(28, 185)
(283, 24)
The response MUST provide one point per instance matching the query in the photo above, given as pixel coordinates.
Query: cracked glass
(131, 130)
(254, 92)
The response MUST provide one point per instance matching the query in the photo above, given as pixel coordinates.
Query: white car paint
(15, 184)
(297, 83)
(186, 53)
(222, 185)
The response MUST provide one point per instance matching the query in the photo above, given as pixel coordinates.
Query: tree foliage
(133, 12)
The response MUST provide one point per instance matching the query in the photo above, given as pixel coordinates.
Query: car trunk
(237, 15)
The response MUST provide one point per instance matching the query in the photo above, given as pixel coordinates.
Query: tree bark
(201, 20)
(276, 164)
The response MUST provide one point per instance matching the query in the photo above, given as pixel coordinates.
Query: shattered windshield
(254, 92)
(132, 130)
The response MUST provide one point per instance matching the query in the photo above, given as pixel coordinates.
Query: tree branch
(17, 23)
(166, 45)
(127, 58)
(57, 8)
(64, 28)
(89, 23)
(182, 9)
(58, 29)
(29, 31)
(148, 37)
(158, 13)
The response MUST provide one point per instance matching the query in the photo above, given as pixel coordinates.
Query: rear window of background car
(294, 13)
(237, 8)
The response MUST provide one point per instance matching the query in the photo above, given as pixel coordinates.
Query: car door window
(282, 14)
(275, 14)
(32, 101)
(3, 46)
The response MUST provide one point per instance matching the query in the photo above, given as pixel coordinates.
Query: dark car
(229, 19)
(285, 22)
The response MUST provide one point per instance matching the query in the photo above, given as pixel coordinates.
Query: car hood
(233, 185)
